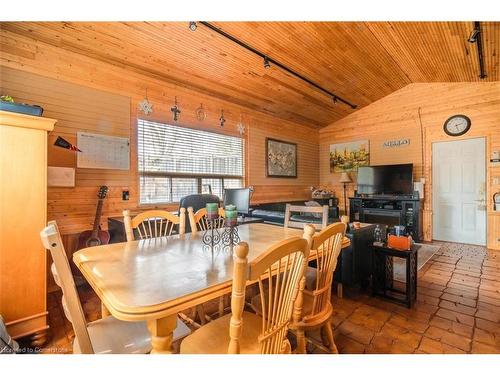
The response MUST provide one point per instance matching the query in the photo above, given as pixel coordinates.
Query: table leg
(162, 334)
(104, 311)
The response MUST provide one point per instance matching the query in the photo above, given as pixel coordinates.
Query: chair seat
(213, 338)
(110, 335)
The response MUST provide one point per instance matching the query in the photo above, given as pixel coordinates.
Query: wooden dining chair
(154, 223)
(314, 307)
(106, 335)
(310, 210)
(282, 265)
(198, 220)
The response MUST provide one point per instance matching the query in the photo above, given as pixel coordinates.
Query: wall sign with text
(397, 143)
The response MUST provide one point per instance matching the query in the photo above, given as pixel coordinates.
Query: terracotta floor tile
(346, 345)
(471, 302)
(458, 307)
(449, 338)
(454, 327)
(431, 346)
(357, 332)
(493, 316)
(486, 337)
(480, 348)
(455, 316)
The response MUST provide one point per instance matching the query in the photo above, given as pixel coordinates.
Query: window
(175, 161)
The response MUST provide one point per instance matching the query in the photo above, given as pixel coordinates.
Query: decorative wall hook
(145, 105)
(175, 110)
(241, 127)
(200, 113)
(222, 120)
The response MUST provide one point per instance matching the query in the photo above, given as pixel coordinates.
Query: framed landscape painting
(281, 158)
(347, 157)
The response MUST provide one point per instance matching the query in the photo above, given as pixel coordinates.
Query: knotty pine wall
(86, 94)
(399, 115)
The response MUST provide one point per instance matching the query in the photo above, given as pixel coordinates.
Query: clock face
(457, 125)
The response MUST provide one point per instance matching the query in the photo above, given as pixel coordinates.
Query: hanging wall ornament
(241, 127)
(222, 120)
(175, 110)
(200, 113)
(145, 105)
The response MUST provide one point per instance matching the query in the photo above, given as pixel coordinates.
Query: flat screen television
(386, 180)
(240, 197)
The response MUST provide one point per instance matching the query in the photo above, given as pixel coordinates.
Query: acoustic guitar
(96, 236)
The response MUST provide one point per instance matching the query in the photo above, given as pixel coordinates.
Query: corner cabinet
(23, 213)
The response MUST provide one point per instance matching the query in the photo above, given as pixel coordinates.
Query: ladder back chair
(106, 335)
(278, 272)
(154, 223)
(314, 308)
(319, 210)
(198, 220)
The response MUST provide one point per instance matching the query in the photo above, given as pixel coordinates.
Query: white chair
(321, 211)
(106, 335)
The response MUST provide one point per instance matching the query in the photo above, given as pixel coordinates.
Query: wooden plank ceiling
(359, 61)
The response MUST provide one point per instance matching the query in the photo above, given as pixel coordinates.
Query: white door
(458, 191)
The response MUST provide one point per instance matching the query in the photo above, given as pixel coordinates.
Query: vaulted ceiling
(358, 61)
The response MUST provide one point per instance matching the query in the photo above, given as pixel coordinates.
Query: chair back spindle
(198, 221)
(154, 223)
(278, 272)
(325, 248)
(321, 210)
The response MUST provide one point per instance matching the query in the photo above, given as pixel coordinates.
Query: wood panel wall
(64, 82)
(418, 111)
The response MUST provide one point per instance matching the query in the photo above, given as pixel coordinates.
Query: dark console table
(389, 210)
(383, 273)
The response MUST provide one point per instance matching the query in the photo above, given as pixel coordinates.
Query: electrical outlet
(125, 195)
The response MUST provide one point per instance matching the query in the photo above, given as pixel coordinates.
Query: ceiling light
(473, 36)
(266, 62)
(192, 26)
(335, 100)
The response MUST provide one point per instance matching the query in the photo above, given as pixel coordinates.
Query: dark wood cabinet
(389, 211)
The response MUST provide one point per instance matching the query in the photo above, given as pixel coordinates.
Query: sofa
(275, 212)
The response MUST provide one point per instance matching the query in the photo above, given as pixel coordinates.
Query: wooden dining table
(154, 279)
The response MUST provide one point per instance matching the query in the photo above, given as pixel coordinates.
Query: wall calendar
(103, 151)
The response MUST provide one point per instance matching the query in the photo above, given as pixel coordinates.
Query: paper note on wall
(60, 176)
(103, 151)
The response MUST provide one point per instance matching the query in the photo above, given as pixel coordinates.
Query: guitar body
(85, 239)
(96, 236)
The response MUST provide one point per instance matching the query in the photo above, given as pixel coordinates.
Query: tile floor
(457, 311)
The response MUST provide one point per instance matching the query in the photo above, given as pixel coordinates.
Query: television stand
(389, 210)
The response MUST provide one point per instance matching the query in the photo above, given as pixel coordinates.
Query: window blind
(175, 161)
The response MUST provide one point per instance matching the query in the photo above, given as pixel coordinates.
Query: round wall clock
(457, 125)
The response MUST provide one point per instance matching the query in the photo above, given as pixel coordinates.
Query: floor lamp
(345, 179)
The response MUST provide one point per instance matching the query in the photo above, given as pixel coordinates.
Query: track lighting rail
(269, 61)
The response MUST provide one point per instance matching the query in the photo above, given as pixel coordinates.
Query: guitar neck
(97, 219)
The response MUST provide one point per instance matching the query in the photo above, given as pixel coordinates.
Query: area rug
(424, 254)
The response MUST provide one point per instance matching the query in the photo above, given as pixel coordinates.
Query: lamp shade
(344, 178)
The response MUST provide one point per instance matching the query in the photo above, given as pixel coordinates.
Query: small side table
(383, 276)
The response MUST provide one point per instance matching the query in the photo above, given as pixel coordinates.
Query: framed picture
(347, 157)
(281, 158)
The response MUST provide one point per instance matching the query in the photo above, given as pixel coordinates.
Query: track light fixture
(335, 100)
(266, 62)
(473, 36)
(192, 26)
(476, 37)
